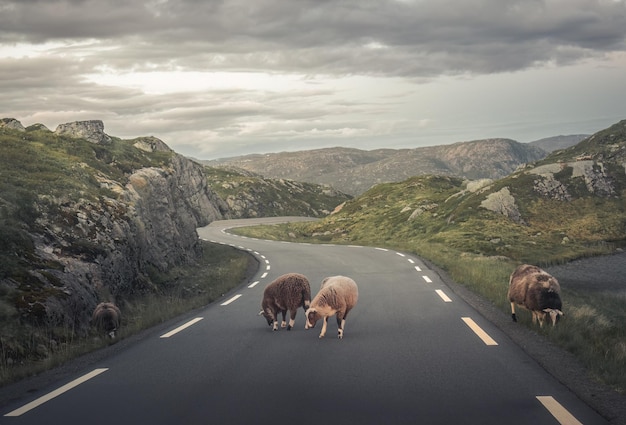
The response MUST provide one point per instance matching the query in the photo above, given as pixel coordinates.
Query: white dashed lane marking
(443, 296)
(182, 327)
(478, 331)
(56, 393)
(427, 279)
(559, 412)
(236, 297)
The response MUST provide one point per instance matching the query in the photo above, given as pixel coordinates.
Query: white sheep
(287, 292)
(536, 290)
(337, 295)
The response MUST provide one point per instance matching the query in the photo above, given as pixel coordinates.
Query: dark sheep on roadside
(536, 290)
(287, 292)
(337, 295)
(107, 317)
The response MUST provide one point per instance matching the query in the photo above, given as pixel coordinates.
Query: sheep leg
(341, 325)
(323, 332)
(284, 322)
(513, 312)
(292, 319)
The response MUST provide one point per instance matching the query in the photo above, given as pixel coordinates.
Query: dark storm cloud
(367, 70)
(411, 38)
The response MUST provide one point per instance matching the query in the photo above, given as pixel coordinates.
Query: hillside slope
(565, 206)
(86, 217)
(249, 195)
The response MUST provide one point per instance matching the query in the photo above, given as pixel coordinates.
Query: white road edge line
(231, 300)
(443, 296)
(56, 393)
(180, 328)
(559, 412)
(478, 331)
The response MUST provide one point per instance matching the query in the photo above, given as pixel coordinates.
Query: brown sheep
(107, 317)
(287, 292)
(337, 295)
(536, 290)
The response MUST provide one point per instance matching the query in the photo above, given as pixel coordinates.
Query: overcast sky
(223, 78)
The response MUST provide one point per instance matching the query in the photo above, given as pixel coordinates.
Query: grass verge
(183, 288)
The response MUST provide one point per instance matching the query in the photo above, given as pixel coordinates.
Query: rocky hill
(353, 171)
(87, 217)
(84, 215)
(564, 206)
(249, 195)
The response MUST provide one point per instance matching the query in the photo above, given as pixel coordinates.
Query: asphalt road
(412, 352)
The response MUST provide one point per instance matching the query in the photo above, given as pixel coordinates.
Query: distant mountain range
(353, 171)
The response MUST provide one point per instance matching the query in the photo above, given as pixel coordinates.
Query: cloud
(215, 75)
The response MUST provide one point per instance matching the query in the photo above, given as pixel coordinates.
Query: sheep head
(553, 313)
(269, 316)
(312, 316)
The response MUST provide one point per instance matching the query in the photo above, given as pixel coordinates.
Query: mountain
(550, 144)
(353, 171)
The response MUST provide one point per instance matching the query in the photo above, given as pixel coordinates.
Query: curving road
(412, 352)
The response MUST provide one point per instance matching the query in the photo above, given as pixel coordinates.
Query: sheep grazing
(536, 290)
(337, 295)
(107, 317)
(288, 292)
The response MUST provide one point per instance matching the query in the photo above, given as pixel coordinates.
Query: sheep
(107, 317)
(287, 292)
(337, 295)
(536, 290)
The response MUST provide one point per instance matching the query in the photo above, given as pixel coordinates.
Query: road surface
(412, 352)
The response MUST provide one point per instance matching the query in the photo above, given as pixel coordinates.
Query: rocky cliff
(87, 217)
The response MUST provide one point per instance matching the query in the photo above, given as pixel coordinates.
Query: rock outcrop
(92, 131)
(11, 123)
(502, 202)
